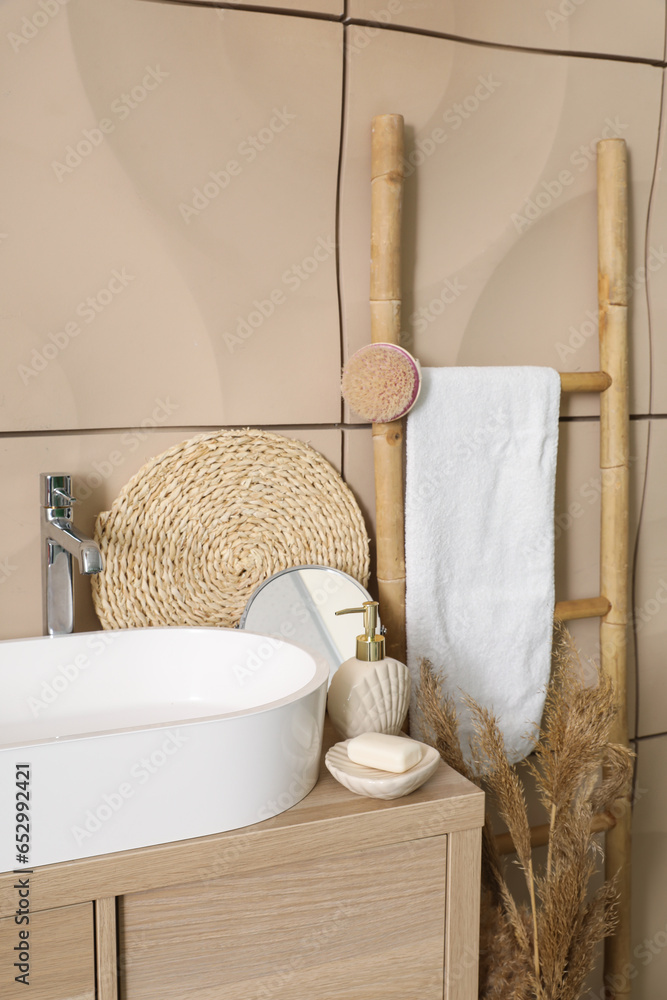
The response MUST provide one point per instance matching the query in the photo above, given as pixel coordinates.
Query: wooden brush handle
(385, 302)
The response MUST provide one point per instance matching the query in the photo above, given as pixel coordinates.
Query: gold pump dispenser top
(370, 647)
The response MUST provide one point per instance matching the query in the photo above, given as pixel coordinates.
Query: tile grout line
(340, 425)
(248, 8)
(182, 429)
(534, 50)
(648, 736)
(339, 173)
(642, 501)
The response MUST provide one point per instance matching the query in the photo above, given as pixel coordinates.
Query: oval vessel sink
(145, 736)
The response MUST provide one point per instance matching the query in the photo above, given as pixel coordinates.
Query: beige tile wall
(500, 186)
(152, 186)
(172, 206)
(602, 26)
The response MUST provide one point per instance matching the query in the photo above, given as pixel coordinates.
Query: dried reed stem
(543, 952)
(552, 820)
(441, 730)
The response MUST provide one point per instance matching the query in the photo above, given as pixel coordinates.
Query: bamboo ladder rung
(584, 607)
(539, 835)
(584, 381)
(587, 607)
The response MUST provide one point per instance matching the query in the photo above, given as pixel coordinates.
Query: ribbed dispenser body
(369, 697)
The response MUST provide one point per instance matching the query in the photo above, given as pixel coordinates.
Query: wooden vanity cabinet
(340, 898)
(61, 953)
(364, 925)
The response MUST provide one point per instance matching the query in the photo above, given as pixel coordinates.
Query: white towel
(479, 541)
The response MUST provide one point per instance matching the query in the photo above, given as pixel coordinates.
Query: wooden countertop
(330, 821)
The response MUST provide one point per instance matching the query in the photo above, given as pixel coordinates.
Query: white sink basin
(145, 736)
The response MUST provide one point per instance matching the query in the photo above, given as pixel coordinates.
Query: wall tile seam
(659, 152)
(637, 738)
(652, 195)
(248, 8)
(594, 417)
(634, 551)
(338, 224)
(180, 428)
(505, 46)
(11, 435)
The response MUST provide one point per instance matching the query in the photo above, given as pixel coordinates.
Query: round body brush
(381, 382)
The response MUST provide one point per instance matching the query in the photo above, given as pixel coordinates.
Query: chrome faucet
(61, 541)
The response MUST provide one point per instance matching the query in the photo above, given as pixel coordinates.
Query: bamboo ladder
(612, 384)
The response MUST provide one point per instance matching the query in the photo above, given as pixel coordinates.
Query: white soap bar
(387, 753)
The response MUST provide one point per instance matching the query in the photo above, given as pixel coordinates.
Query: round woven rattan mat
(199, 527)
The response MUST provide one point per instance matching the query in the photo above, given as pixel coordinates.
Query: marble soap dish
(378, 784)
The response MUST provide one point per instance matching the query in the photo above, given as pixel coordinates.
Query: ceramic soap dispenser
(370, 692)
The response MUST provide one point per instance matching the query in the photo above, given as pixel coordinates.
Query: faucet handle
(56, 489)
(63, 499)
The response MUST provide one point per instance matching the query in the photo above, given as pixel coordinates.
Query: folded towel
(479, 541)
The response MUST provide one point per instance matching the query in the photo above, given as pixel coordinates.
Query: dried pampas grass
(544, 950)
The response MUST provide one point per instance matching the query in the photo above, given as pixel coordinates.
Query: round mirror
(299, 604)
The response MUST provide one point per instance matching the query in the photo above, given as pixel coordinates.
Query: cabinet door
(61, 950)
(362, 926)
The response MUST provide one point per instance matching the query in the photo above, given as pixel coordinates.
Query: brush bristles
(380, 383)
